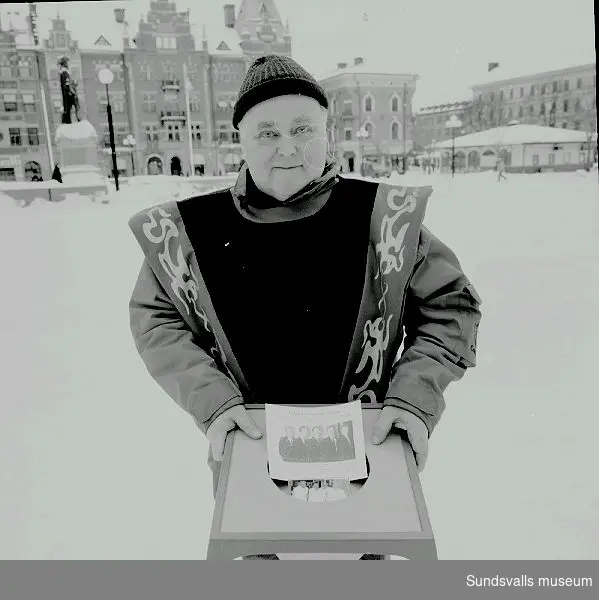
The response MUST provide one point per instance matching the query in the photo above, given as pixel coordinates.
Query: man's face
(331, 432)
(285, 144)
(345, 430)
(304, 432)
(290, 431)
(316, 432)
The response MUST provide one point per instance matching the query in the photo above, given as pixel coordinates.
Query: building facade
(564, 98)
(430, 122)
(370, 116)
(370, 111)
(22, 139)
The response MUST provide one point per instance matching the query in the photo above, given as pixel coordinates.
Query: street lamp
(129, 142)
(453, 124)
(106, 77)
(361, 134)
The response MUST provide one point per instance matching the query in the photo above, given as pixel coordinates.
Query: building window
(369, 129)
(566, 85)
(61, 41)
(565, 106)
(543, 89)
(28, 102)
(510, 113)
(149, 103)
(492, 96)
(551, 158)
(33, 136)
(542, 109)
(24, 68)
(235, 137)
(395, 131)
(152, 134)
(368, 104)
(223, 135)
(5, 66)
(501, 96)
(491, 114)
(577, 105)
(564, 125)
(395, 104)
(581, 157)
(10, 102)
(511, 93)
(531, 110)
(532, 90)
(521, 92)
(535, 160)
(196, 135)
(169, 72)
(566, 158)
(520, 112)
(348, 135)
(577, 125)
(174, 135)
(15, 136)
(118, 105)
(555, 87)
(579, 83)
(194, 103)
(146, 72)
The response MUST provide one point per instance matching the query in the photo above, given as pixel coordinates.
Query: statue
(68, 87)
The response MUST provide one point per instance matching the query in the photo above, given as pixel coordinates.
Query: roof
(365, 68)
(442, 108)
(513, 135)
(528, 70)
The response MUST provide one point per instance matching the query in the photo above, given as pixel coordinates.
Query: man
(316, 493)
(295, 284)
(500, 169)
(288, 445)
(315, 448)
(330, 449)
(303, 452)
(300, 491)
(345, 443)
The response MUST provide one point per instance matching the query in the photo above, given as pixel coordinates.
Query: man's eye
(268, 134)
(304, 129)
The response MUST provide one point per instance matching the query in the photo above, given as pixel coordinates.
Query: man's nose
(286, 146)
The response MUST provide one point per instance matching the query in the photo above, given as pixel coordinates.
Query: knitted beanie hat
(271, 76)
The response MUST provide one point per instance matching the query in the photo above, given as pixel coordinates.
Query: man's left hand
(403, 419)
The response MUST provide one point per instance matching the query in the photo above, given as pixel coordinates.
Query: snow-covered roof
(513, 135)
(528, 69)
(365, 68)
(442, 108)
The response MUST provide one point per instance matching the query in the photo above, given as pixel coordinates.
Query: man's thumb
(381, 429)
(245, 423)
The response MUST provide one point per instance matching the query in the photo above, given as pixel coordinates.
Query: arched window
(369, 128)
(395, 104)
(394, 131)
(368, 103)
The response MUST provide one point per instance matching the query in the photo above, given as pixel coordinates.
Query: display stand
(387, 515)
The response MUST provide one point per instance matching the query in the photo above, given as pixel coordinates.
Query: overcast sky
(447, 43)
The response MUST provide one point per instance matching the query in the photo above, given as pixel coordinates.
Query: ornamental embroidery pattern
(390, 253)
(184, 282)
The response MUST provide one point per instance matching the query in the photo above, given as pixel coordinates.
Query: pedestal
(387, 515)
(78, 155)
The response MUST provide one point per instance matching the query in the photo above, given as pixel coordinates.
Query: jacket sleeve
(166, 345)
(441, 319)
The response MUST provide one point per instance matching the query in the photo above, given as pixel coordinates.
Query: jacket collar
(304, 203)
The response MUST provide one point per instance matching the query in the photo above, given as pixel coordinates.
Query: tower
(261, 29)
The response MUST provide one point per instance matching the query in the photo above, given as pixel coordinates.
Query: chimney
(229, 16)
(341, 65)
(358, 60)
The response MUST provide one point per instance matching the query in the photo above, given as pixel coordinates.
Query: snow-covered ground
(97, 462)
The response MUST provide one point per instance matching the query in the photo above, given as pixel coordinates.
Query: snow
(78, 130)
(98, 463)
(517, 134)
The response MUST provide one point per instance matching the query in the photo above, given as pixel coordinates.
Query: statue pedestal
(78, 155)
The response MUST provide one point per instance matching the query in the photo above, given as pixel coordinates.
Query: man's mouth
(286, 168)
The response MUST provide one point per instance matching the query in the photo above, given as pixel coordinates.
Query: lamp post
(453, 124)
(106, 77)
(130, 142)
(361, 134)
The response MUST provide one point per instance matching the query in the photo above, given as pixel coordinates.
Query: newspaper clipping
(309, 443)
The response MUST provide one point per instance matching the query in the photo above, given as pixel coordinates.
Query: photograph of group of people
(334, 442)
(319, 490)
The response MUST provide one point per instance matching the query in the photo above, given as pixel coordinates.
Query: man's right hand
(236, 416)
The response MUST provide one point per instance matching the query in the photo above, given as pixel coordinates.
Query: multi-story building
(22, 140)
(430, 122)
(560, 98)
(369, 114)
